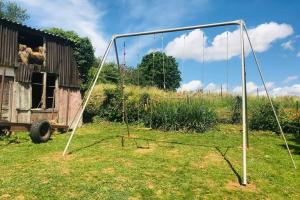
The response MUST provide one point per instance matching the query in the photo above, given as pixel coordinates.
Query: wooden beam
(68, 102)
(2, 91)
(44, 90)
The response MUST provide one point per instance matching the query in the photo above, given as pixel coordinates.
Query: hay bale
(28, 56)
(22, 47)
(36, 58)
(23, 54)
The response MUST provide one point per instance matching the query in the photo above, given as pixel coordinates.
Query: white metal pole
(89, 95)
(268, 95)
(244, 91)
(237, 22)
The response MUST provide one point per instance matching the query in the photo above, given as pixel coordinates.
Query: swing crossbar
(186, 28)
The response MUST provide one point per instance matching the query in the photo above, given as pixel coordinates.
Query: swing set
(243, 33)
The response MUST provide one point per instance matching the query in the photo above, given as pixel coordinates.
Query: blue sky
(273, 28)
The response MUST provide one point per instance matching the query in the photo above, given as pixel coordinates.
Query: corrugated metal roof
(35, 29)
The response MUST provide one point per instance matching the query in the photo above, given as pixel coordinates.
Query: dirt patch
(5, 196)
(199, 165)
(56, 156)
(151, 148)
(231, 185)
(20, 197)
(133, 198)
(65, 171)
(159, 193)
(122, 179)
(173, 169)
(108, 170)
(173, 153)
(124, 163)
(211, 158)
(150, 186)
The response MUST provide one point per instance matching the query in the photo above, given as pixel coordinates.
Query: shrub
(236, 110)
(290, 120)
(111, 108)
(263, 117)
(187, 115)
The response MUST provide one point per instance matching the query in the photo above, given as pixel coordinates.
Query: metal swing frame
(243, 31)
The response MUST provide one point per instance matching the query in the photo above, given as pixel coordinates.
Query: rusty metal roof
(37, 31)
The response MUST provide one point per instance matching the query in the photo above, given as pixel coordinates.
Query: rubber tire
(40, 131)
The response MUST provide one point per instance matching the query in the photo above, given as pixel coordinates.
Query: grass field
(175, 166)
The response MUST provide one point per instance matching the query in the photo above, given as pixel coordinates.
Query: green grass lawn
(175, 166)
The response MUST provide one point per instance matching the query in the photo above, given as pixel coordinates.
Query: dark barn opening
(30, 40)
(50, 91)
(37, 89)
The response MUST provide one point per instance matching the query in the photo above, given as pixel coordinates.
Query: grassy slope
(100, 168)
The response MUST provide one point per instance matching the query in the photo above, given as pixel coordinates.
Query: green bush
(290, 119)
(236, 110)
(111, 108)
(263, 118)
(187, 115)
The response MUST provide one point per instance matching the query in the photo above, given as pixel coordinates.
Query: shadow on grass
(168, 142)
(230, 164)
(8, 140)
(93, 144)
(239, 178)
(295, 148)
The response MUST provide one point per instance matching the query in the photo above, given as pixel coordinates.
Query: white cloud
(215, 88)
(293, 90)
(197, 85)
(252, 88)
(189, 46)
(290, 78)
(80, 16)
(273, 90)
(192, 86)
(289, 45)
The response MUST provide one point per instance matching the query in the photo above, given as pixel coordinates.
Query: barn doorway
(6, 96)
(43, 90)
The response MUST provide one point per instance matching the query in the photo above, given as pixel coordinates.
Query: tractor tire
(40, 131)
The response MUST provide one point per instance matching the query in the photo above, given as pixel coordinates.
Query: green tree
(13, 12)
(109, 73)
(83, 51)
(154, 66)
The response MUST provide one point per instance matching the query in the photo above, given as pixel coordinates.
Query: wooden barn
(39, 79)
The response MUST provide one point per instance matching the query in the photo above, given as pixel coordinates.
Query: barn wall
(60, 60)
(44, 114)
(9, 46)
(68, 111)
(22, 103)
(6, 110)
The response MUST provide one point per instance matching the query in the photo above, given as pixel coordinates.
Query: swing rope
(163, 59)
(203, 46)
(151, 101)
(183, 49)
(124, 110)
(164, 74)
(138, 82)
(227, 66)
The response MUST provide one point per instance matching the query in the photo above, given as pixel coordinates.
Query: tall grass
(177, 110)
(187, 115)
